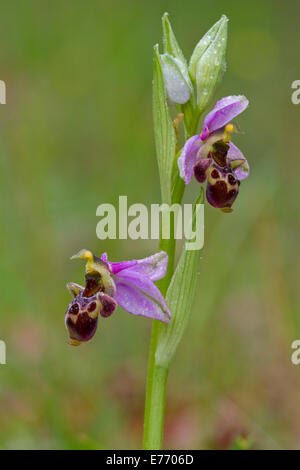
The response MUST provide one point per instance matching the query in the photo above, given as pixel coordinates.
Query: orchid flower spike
(213, 157)
(128, 283)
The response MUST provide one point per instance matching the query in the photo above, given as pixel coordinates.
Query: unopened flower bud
(177, 82)
(208, 62)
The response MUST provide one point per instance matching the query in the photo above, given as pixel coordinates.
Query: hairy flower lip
(222, 187)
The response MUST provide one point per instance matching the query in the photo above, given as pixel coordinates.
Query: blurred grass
(76, 132)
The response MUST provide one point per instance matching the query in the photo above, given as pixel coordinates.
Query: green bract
(164, 133)
(171, 45)
(208, 62)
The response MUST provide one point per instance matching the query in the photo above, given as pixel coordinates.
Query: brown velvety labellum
(220, 195)
(83, 329)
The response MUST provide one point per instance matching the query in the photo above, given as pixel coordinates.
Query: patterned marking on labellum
(231, 179)
(215, 174)
(84, 328)
(74, 309)
(222, 192)
(82, 318)
(92, 306)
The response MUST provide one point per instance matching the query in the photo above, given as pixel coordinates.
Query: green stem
(157, 376)
(155, 397)
(191, 118)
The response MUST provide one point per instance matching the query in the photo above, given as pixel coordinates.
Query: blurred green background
(77, 132)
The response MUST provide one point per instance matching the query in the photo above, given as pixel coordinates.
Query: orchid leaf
(180, 296)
